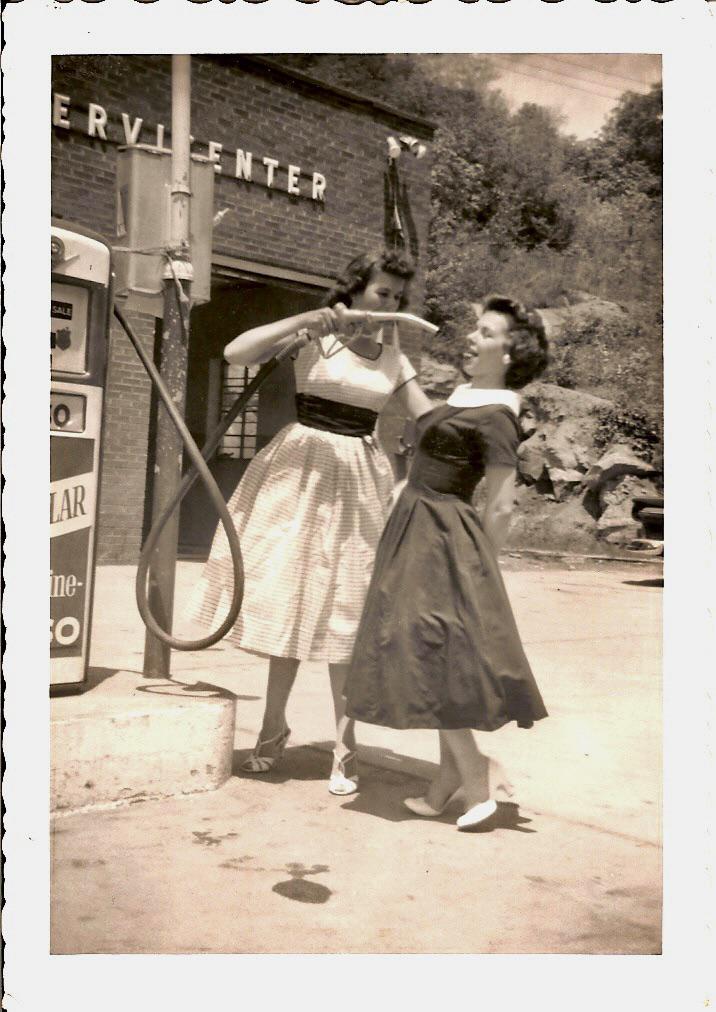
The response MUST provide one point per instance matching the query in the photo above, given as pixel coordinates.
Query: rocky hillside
(576, 492)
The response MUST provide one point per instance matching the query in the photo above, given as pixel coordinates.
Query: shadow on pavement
(386, 777)
(95, 677)
(303, 762)
(201, 690)
(655, 582)
(374, 799)
(395, 762)
(313, 762)
(385, 801)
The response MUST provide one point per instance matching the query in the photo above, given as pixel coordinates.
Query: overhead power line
(595, 70)
(553, 77)
(618, 88)
(538, 77)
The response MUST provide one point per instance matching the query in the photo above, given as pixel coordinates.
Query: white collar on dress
(468, 396)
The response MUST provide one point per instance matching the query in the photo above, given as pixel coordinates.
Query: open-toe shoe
(344, 775)
(266, 754)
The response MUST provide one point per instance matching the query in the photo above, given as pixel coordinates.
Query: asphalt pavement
(276, 864)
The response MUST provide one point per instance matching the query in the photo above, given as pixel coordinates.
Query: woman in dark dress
(437, 645)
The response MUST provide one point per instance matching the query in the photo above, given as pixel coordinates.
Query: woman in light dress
(312, 504)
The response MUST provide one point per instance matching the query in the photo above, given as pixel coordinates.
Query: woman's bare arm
(412, 399)
(260, 343)
(500, 489)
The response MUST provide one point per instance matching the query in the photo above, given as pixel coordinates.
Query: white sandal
(257, 763)
(344, 779)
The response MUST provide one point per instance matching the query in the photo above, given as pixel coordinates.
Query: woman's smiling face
(489, 342)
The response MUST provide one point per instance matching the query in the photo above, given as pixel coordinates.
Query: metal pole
(173, 368)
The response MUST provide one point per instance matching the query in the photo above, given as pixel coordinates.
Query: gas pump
(79, 322)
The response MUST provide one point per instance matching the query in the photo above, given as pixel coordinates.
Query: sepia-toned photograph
(356, 503)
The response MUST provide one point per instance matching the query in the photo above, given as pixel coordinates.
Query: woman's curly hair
(357, 274)
(529, 348)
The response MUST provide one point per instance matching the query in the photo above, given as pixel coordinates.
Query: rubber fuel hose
(200, 469)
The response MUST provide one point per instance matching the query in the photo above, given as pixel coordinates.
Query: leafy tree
(628, 154)
(635, 127)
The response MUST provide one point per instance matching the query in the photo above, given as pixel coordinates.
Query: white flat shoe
(419, 806)
(477, 814)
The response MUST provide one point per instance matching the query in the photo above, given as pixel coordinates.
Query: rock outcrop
(618, 461)
(583, 492)
(563, 424)
(579, 308)
(616, 524)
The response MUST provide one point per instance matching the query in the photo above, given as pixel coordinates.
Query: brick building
(302, 185)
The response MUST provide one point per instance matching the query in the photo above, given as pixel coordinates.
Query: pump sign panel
(72, 511)
(78, 339)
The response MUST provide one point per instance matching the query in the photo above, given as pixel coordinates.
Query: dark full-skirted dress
(437, 645)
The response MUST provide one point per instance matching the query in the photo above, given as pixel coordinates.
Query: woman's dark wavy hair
(529, 348)
(358, 273)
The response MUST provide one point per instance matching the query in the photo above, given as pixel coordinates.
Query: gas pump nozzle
(350, 318)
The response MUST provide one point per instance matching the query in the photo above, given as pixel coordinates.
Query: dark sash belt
(444, 477)
(332, 416)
